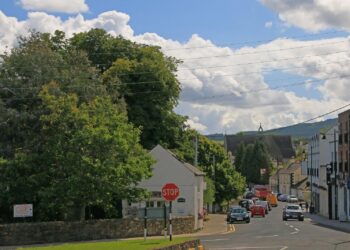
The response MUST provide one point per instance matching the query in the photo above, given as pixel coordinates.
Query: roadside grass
(139, 244)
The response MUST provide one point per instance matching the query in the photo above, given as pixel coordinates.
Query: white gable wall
(169, 169)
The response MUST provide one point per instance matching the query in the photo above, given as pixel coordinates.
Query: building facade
(169, 169)
(343, 166)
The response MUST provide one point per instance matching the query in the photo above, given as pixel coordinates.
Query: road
(272, 233)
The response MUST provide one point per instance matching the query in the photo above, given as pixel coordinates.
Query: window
(160, 203)
(149, 203)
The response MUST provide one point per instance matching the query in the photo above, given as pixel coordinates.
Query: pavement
(216, 224)
(324, 221)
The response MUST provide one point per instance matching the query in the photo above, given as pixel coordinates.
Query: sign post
(170, 192)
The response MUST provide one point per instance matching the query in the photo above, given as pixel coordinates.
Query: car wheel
(252, 215)
(301, 219)
(263, 215)
(247, 221)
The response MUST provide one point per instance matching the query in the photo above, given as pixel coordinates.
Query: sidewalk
(323, 221)
(215, 225)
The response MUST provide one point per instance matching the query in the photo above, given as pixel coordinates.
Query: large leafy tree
(90, 156)
(37, 60)
(143, 77)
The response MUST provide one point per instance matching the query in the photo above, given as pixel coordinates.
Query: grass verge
(117, 244)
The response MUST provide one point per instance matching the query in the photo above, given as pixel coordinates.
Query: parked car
(283, 197)
(257, 210)
(246, 203)
(238, 214)
(265, 205)
(292, 211)
(292, 199)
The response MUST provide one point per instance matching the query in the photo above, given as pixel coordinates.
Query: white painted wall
(169, 169)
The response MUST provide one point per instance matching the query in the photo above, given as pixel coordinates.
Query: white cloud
(195, 124)
(115, 23)
(268, 24)
(313, 15)
(220, 85)
(64, 6)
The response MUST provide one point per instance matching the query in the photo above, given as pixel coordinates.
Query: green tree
(144, 78)
(209, 193)
(89, 156)
(214, 161)
(97, 150)
(37, 60)
(255, 158)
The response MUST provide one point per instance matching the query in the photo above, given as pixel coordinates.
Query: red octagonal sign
(170, 191)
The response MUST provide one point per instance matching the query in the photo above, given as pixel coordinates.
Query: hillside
(303, 130)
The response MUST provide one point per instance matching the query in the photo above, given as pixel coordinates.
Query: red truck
(261, 191)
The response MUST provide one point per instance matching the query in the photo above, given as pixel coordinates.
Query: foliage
(144, 78)
(38, 59)
(209, 193)
(252, 159)
(214, 161)
(89, 155)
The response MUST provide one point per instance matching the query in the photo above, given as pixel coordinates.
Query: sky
(245, 62)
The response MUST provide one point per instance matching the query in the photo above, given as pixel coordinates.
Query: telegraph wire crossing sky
(244, 62)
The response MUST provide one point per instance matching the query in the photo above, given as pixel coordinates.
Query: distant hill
(303, 130)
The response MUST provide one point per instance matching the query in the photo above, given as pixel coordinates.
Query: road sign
(23, 210)
(170, 191)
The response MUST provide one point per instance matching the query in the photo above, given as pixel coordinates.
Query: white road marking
(295, 232)
(291, 226)
(216, 239)
(296, 229)
(284, 248)
(267, 236)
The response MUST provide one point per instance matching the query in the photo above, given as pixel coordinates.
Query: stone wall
(58, 231)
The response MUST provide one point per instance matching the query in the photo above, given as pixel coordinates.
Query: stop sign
(170, 191)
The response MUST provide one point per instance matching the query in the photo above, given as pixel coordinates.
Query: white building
(320, 160)
(313, 168)
(169, 169)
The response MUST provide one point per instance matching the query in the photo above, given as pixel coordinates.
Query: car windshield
(238, 210)
(292, 207)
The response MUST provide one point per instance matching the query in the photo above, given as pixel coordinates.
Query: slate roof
(279, 146)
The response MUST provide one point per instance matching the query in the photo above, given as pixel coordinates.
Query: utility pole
(335, 165)
(196, 152)
(312, 206)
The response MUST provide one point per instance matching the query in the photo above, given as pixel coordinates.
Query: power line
(212, 96)
(328, 113)
(259, 62)
(268, 88)
(202, 67)
(179, 79)
(254, 41)
(265, 51)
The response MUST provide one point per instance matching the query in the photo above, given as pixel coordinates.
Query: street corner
(230, 229)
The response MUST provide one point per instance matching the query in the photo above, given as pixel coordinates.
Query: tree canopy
(254, 162)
